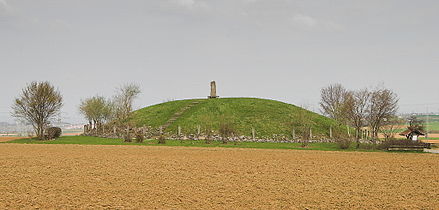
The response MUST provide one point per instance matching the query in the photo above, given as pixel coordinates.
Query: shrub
(139, 137)
(127, 137)
(226, 130)
(368, 146)
(344, 143)
(53, 133)
(162, 139)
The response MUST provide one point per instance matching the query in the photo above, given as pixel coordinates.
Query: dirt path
(78, 176)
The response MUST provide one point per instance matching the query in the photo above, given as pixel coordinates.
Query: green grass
(433, 126)
(88, 140)
(72, 140)
(267, 117)
(433, 122)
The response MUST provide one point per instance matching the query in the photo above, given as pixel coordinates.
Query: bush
(139, 137)
(162, 139)
(344, 143)
(52, 133)
(226, 130)
(127, 137)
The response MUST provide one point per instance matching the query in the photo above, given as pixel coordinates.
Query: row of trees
(40, 103)
(360, 108)
(98, 110)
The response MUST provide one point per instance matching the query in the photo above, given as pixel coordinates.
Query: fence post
(349, 131)
(253, 133)
(330, 132)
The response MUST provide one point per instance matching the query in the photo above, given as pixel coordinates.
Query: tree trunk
(358, 137)
(39, 131)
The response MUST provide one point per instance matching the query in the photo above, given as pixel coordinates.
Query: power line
(419, 104)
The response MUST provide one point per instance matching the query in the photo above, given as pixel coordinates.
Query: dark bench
(409, 147)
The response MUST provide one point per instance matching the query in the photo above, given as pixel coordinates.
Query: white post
(330, 132)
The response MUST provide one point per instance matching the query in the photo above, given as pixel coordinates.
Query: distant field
(144, 177)
(433, 127)
(433, 122)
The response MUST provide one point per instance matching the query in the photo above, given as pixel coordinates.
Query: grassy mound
(267, 117)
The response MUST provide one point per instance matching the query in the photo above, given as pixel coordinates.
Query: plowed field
(78, 176)
(9, 138)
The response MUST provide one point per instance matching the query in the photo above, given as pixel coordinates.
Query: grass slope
(268, 117)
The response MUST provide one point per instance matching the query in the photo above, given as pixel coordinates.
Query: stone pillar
(213, 90)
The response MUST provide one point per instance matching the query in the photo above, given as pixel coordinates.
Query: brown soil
(5, 139)
(79, 176)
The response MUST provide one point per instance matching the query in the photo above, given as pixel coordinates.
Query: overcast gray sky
(280, 49)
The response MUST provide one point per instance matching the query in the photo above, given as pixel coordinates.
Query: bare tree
(391, 127)
(226, 129)
(38, 104)
(332, 102)
(124, 100)
(416, 124)
(383, 105)
(356, 106)
(97, 110)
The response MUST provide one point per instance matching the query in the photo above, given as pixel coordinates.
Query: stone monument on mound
(213, 90)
